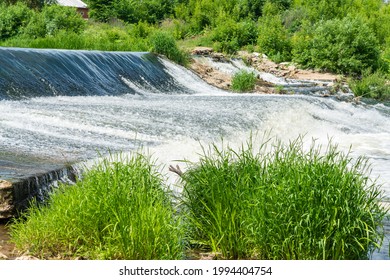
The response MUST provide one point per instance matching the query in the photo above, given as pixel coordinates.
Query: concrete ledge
(16, 195)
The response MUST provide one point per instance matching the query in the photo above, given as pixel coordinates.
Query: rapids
(72, 106)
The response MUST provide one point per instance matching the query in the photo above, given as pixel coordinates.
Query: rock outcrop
(325, 83)
(6, 199)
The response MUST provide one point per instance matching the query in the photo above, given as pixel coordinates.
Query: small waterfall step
(21, 181)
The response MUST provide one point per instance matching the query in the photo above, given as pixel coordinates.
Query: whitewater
(66, 107)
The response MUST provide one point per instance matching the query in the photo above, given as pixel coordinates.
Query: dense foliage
(119, 210)
(345, 45)
(283, 204)
(243, 81)
(343, 36)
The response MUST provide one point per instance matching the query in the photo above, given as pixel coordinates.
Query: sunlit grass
(243, 81)
(283, 204)
(272, 201)
(119, 210)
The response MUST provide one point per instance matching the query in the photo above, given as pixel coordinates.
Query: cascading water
(62, 107)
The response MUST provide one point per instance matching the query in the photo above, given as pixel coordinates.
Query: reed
(119, 210)
(165, 44)
(282, 202)
(243, 81)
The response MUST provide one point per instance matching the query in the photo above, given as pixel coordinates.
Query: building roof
(72, 3)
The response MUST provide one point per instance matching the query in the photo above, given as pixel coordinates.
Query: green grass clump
(282, 203)
(371, 85)
(119, 210)
(164, 43)
(243, 81)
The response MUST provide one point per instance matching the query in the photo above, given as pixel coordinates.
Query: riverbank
(218, 70)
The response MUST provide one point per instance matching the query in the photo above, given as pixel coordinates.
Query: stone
(6, 199)
(219, 57)
(202, 51)
(5, 184)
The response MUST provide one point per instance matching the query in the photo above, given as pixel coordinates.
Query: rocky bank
(204, 60)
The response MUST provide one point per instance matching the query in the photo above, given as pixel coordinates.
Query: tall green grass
(282, 202)
(119, 210)
(89, 40)
(243, 81)
(164, 43)
(371, 85)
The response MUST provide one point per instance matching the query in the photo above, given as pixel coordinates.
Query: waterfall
(63, 107)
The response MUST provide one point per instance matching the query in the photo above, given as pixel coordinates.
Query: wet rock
(302, 81)
(211, 75)
(219, 57)
(202, 51)
(6, 199)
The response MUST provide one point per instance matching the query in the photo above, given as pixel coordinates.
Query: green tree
(52, 19)
(131, 11)
(13, 18)
(345, 45)
(273, 37)
(101, 10)
(151, 11)
(34, 4)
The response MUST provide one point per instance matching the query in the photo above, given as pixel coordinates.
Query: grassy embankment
(268, 202)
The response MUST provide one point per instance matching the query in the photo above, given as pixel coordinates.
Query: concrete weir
(21, 181)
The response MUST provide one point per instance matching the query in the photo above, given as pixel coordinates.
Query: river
(169, 113)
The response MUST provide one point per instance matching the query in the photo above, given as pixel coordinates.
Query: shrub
(150, 11)
(231, 35)
(96, 36)
(345, 45)
(243, 81)
(164, 43)
(119, 210)
(371, 85)
(54, 19)
(12, 19)
(273, 38)
(293, 19)
(282, 202)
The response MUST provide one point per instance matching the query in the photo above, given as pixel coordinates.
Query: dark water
(27, 73)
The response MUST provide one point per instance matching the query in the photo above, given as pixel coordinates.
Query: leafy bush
(119, 210)
(12, 19)
(164, 43)
(243, 81)
(97, 36)
(293, 19)
(273, 38)
(282, 203)
(345, 45)
(130, 11)
(232, 35)
(141, 30)
(371, 85)
(53, 19)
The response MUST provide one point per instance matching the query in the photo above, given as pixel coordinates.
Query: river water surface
(173, 123)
